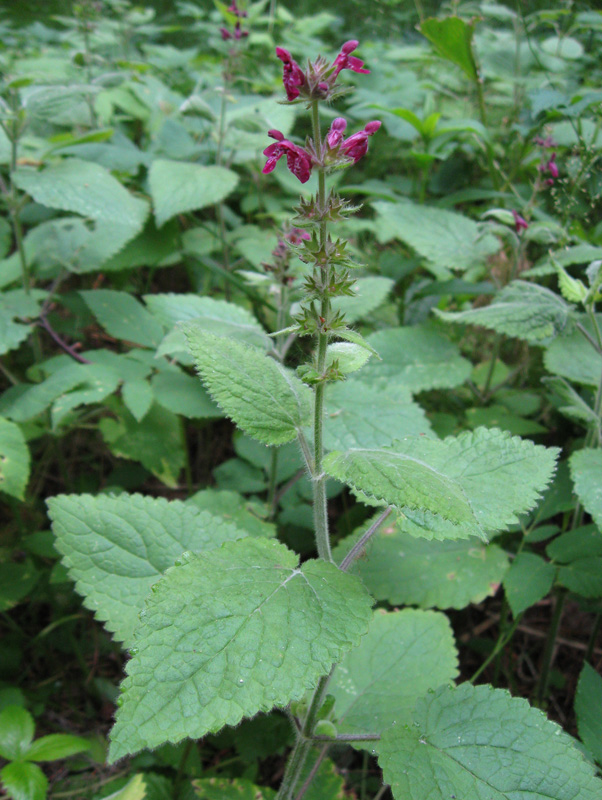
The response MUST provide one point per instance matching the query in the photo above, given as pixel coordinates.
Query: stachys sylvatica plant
(222, 621)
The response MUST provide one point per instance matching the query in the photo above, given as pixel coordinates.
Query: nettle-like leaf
(88, 189)
(347, 356)
(404, 654)
(177, 187)
(14, 460)
(468, 485)
(479, 743)
(404, 570)
(351, 418)
(116, 548)
(214, 316)
(522, 309)
(261, 397)
(574, 358)
(417, 358)
(446, 240)
(586, 471)
(231, 632)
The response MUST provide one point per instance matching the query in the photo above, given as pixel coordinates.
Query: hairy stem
(360, 545)
(319, 481)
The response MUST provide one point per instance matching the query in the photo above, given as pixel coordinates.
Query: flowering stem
(319, 480)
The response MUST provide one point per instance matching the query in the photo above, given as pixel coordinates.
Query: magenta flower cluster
(316, 83)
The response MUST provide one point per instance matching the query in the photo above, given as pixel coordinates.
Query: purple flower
(292, 73)
(335, 134)
(225, 34)
(345, 61)
(548, 142)
(552, 166)
(519, 222)
(356, 146)
(298, 160)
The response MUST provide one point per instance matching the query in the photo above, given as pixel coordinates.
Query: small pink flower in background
(520, 223)
(225, 34)
(293, 76)
(297, 235)
(335, 134)
(298, 160)
(548, 142)
(356, 146)
(552, 166)
(345, 61)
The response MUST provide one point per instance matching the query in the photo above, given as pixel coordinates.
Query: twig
(61, 343)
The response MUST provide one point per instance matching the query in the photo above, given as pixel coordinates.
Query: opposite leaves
(259, 395)
(467, 485)
(477, 743)
(231, 632)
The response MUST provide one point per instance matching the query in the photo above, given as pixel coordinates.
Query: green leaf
(228, 788)
(479, 743)
(156, 442)
(588, 702)
(578, 554)
(177, 187)
(123, 317)
(586, 471)
(404, 654)
(116, 548)
(184, 394)
(528, 580)
(571, 404)
(417, 358)
(88, 189)
(138, 397)
(572, 289)
(452, 39)
(404, 570)
(214, 316)
(348, 357)
(523, 310)
(16, 732)
(351, 421)
(231, 632)
(574, 358)
(24, 781)
(56, 746)
(235, 508)
(370, 293)
(445, 239)
(14, 460)
(583, 542)
(16, 582)
(259, 395)
(472, 484)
